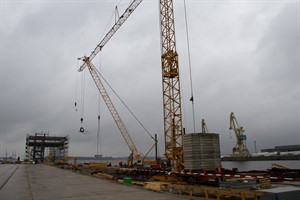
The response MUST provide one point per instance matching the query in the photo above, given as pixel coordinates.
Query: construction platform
(41, 145)
(42, 182)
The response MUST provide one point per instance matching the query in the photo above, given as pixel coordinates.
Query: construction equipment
(87, 63)
(113, 111)
(204, 127)
(173, 131)
(240, 149)
(112, 31)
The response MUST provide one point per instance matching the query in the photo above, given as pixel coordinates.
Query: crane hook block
(81, 119)
(81, 130)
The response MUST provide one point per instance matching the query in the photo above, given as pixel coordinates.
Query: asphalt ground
(43, 182)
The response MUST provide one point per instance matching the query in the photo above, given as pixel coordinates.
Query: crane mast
(112, 109)
(240, 149)
(173, 131)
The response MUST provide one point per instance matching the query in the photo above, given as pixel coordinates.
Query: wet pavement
(42, 182)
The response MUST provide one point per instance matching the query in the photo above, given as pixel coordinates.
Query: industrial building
(283, 148)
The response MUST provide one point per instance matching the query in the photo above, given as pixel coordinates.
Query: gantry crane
(240, 149)
(173, 131)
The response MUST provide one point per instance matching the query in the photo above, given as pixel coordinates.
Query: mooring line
(9, 177)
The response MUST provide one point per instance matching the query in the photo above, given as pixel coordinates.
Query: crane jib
(112, 108)
(112, 31)
(82, 67)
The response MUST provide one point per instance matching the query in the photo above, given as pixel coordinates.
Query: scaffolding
(41, 146)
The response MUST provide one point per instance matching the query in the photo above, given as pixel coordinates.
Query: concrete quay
(42, 182)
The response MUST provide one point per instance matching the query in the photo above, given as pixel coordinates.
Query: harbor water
(260, 165)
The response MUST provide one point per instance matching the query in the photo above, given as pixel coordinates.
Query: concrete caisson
(201, 151)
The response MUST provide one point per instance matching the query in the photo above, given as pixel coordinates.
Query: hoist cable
(110, 19)
(82, 95)
(125, 105)
(190, 66)
(76, 87)
(98, 136)
(99, 101)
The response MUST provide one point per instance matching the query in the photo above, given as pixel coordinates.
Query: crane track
(7, 170)
(3, 184)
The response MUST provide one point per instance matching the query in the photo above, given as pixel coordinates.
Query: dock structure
(43, 182)
(42, 144)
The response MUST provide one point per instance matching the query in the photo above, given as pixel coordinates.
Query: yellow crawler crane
(87, 62)
(113, 111)
(240, 149)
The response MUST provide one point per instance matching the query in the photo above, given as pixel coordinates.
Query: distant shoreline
(93, 158)
(262, 158)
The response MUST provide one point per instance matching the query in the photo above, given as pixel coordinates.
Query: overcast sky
(244, 59)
